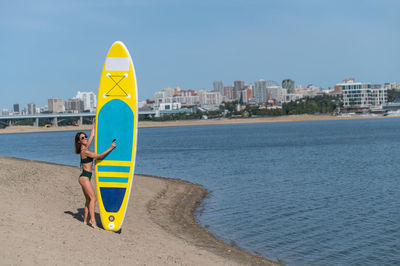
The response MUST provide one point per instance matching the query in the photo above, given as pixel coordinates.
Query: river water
(320, 193)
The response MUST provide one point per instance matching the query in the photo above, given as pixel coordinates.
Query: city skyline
(261, 92)
(256, 87)
(190, 44)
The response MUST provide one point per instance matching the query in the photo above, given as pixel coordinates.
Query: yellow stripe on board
(114, 163)
(109, 184)
(114, 174)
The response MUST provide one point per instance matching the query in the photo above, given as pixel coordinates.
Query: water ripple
(308, 193)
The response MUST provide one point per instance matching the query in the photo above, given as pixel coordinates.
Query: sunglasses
(83, 137)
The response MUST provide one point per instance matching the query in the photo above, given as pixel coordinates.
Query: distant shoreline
(178, 123)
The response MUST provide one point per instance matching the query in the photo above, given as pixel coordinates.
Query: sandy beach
(42, 222)
(178, 123)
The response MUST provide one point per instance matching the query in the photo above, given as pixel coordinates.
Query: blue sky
(55, 48)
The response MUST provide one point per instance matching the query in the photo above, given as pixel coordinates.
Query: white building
(44, 109)
(165, 96)
(377, 97)
(187, 98)
(362, 95)
(171, 92)
(160, 97)
(89, 100)
(169, 106)
(290, 97)
(310, 91)
(207, 98)
(277, 93)
(176, 95)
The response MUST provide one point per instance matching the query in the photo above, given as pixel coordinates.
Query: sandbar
(41, 222)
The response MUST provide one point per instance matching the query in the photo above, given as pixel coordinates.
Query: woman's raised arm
(92, 133)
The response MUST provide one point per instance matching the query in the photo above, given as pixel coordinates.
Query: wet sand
(178, 123)
(42, 223)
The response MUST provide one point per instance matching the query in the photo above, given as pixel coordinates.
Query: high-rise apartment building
(276, 93)
(56, 106)
(247, 94)
(89, 100)
(31, 108)
(250, 87)
(16, 108)
(260, 91)
(289, 85)
(75, 105)
(228, 92)
(218, 86)
(238, 86)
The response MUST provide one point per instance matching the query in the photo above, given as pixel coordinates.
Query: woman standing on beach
(82, 144)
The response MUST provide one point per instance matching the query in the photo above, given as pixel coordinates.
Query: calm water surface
(320, 193)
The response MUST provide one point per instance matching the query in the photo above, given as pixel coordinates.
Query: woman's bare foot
(93, 224)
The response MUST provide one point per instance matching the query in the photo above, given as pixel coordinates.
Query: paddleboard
(116, 118)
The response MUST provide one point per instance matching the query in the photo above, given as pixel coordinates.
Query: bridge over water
(58, 117)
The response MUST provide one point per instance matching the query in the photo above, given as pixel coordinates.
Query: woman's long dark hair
(78, 143)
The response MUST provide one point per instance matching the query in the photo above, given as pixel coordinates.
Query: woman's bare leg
(86, 212)
(90, 200)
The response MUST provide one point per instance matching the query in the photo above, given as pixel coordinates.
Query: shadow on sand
(80, 214)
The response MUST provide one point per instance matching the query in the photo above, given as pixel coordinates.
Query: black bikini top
(87, 160)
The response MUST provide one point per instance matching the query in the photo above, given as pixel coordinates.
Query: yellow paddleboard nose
(118, 50)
